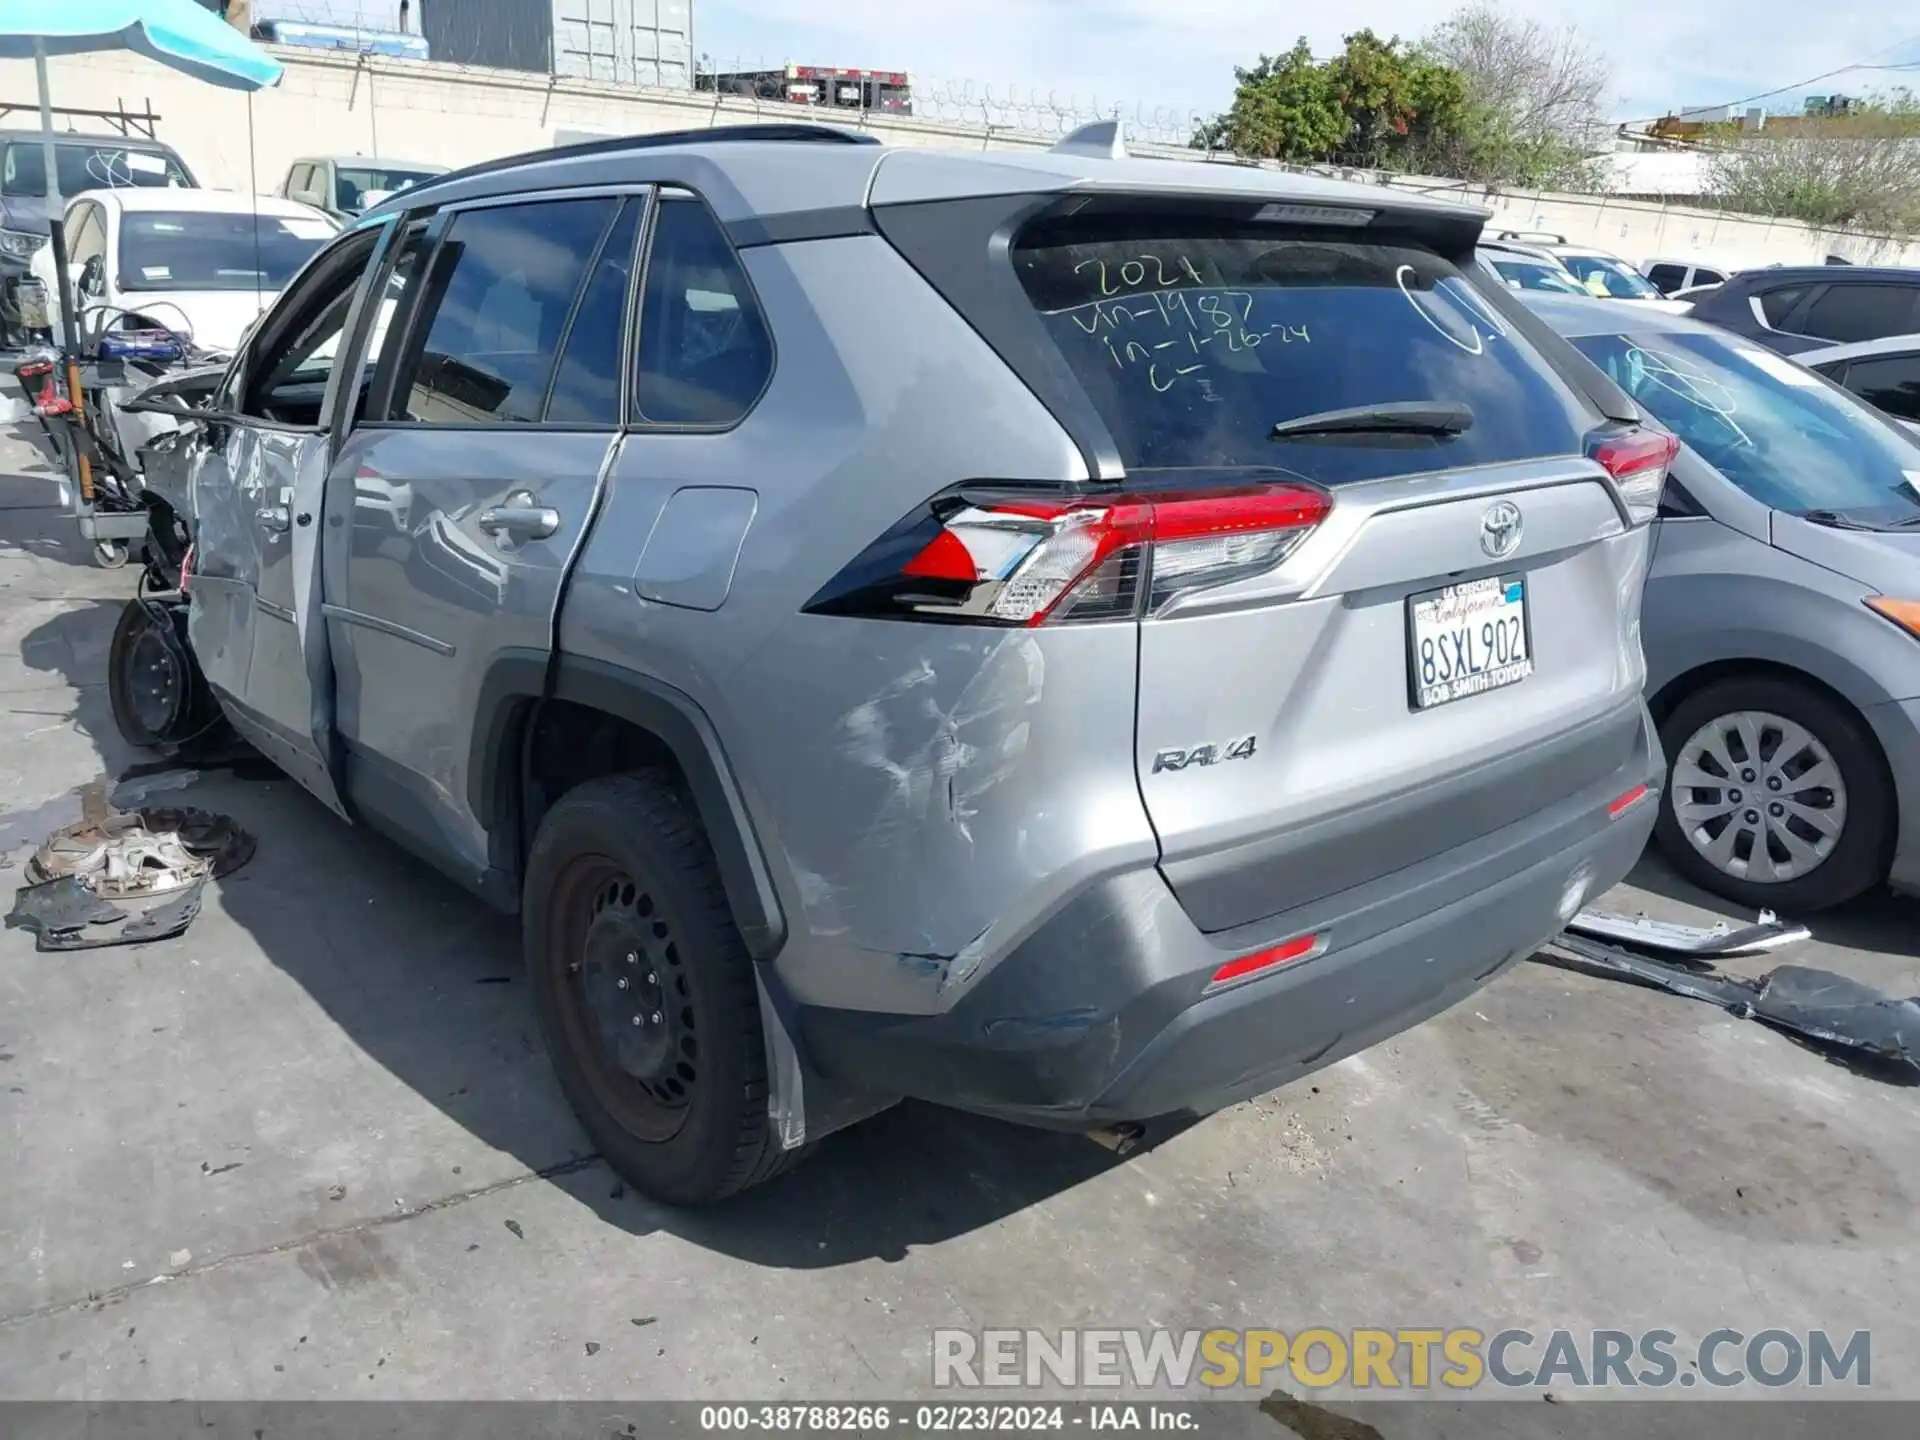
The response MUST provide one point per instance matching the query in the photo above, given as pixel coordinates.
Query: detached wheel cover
(1759, 797)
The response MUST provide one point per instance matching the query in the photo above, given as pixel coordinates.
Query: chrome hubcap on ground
(1759, 797)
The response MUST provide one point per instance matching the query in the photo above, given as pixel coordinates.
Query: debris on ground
(123, 877)
(1873, 1033)
(1662, 937)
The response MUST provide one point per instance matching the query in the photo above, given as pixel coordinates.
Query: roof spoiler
(1102, 140)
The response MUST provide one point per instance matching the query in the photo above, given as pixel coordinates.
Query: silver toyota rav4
(1076, 638)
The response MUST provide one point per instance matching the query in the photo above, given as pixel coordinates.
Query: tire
(159, 698)
(622, 886)
(1860, 807)
(110, 554)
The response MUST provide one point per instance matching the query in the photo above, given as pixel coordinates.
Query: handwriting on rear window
(1173, 336)
(1116, 277)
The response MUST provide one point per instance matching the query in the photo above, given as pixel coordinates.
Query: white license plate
(1468, 639)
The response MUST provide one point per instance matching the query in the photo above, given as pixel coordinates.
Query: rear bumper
(1101, 1016)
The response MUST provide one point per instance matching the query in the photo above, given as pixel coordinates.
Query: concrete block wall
(457, 115)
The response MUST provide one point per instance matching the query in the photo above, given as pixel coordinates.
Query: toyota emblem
(1500, 529)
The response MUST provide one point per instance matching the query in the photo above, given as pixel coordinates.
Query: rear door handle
(521, 518)
(273, 517)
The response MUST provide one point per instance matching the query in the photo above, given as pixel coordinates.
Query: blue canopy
(179, 34)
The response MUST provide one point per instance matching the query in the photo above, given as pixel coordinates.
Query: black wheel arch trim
(519, 678)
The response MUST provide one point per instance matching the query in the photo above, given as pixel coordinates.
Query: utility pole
(240, 15)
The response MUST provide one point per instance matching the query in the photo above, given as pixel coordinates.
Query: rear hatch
(1441, 638)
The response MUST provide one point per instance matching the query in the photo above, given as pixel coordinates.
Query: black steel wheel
(645, 992)
(158, 696)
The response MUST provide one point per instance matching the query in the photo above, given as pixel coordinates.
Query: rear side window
(1703, 276)
(1888, 382)
(1194, 343)
(705, 351)
(499, 291)
(1776, 305)
(1862, 312)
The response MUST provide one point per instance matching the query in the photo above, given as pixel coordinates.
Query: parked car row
(148, 248)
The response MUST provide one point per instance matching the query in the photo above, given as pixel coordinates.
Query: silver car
(1782, 614)
(1075, 638)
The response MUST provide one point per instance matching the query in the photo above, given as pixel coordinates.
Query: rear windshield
(1194, 344)
(88, 167)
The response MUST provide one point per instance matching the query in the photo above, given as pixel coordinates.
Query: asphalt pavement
(312, 1149)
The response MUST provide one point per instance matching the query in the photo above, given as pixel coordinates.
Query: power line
(1810, 80)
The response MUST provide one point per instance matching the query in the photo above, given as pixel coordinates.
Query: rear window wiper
(1833, 520)
(1410, 417)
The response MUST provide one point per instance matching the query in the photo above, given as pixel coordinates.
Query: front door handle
(521, 518)
(272, 517)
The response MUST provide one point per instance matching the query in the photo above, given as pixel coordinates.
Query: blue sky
(1177, 56)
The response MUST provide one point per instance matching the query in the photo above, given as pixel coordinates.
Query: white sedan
(204, 264)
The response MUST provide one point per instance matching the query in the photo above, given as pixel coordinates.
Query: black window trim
(438, 220)
(678, 193)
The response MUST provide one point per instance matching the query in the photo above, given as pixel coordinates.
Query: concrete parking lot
(312, 1149)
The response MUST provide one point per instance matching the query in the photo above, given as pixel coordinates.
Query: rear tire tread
(651, 808)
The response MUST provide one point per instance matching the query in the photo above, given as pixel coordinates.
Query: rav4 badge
(1241, 749)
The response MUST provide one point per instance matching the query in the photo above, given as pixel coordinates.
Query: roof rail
(790, 133)
(1102, 140)
(1534, 237)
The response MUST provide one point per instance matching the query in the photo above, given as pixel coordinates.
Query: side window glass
(298, 343)
(586, 389)
(1704, 276)
(494, 304)
(1778, 304)
(1890, 382)
(705, 352)
(1860, 312)
(1667, 277)
(89, 240)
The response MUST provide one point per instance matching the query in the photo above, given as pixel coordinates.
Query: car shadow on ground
(427, 982)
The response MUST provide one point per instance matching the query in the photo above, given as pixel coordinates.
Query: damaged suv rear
(1073, 638)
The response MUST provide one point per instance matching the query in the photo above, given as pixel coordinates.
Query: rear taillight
(1637, 459)
(1040, 557)
(186, 568)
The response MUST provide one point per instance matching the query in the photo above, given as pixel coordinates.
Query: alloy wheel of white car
(1759, 797)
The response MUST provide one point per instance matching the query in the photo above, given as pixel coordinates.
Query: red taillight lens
(1298, 948)
(1035, 557)
(1637, 459)
(186, 569)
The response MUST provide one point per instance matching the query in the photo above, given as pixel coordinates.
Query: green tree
(1398, 103)
(1283, 109)
(1377, 103)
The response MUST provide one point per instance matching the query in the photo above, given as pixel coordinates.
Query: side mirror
(93, 276)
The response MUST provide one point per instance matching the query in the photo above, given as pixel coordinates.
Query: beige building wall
(457, 115)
